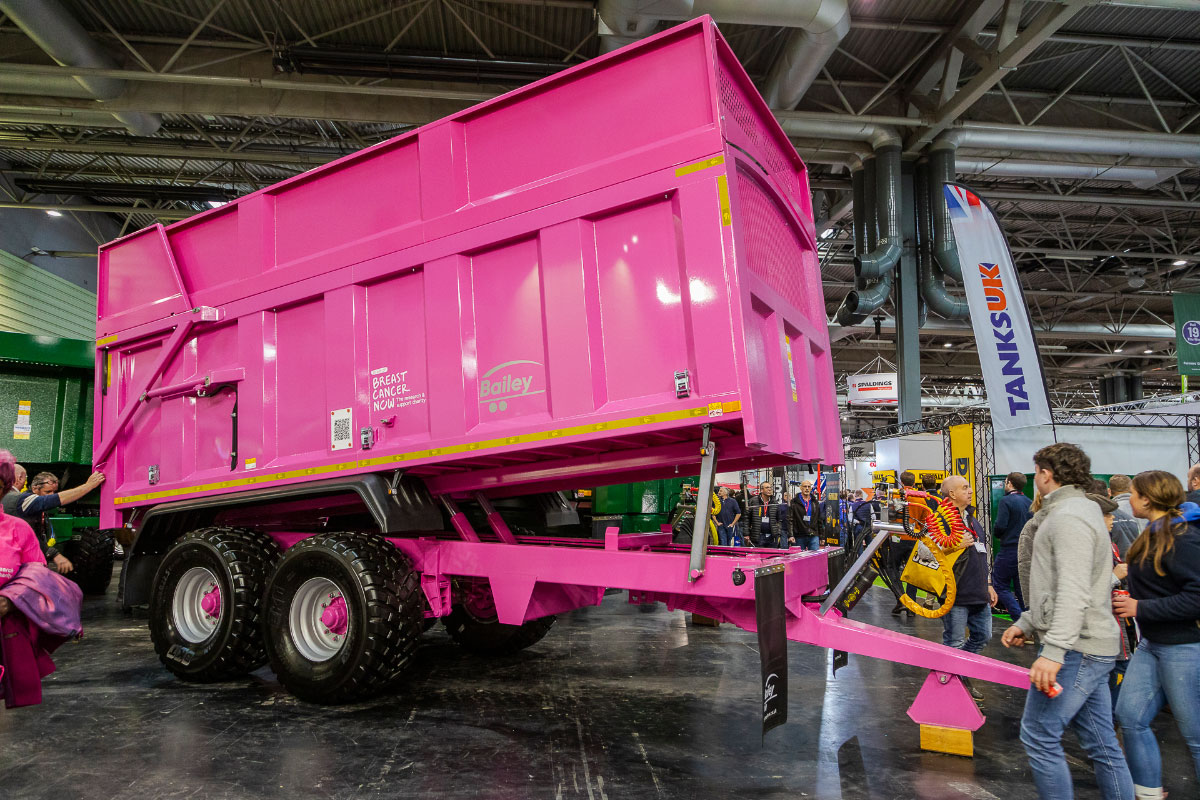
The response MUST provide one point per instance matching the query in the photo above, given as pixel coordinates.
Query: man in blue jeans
(1012, 512)
(1070, 612)
(968, 626)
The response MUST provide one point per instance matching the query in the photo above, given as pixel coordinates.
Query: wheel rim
(319, 619)
(196, 605)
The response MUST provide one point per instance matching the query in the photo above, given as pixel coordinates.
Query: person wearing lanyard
(805, 523)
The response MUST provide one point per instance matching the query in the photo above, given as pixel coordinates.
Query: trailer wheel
(343, 616)
(206, 603)
(473, 624)
(90, 551)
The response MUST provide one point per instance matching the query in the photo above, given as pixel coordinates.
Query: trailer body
(607, 276)
(497, 301)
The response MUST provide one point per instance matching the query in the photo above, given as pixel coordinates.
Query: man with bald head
(1193, 484)
(968, 625)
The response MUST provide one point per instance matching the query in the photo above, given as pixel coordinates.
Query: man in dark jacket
(34, 506)
(930, 485)
(1012, 512)
(972, 611)
(764, 529)
(727, 519)
(804, 516)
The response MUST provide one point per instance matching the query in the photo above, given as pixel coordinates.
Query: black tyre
(90, 551)
(473, 624)
(343, 617)
(206, 603)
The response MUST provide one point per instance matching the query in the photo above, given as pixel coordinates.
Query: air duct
(821, 25)
(874, 266)
(991, 136)
(932, 280)
(1143, 177)
(883, 256)
(941, 172)
(825, 24)
(62, 38)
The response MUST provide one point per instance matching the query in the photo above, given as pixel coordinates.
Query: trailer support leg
(947, 715)
(708, 480)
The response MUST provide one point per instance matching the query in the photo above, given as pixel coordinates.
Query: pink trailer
(316, 404)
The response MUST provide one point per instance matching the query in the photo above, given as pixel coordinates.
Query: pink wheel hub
(210, 604)
(335, 617)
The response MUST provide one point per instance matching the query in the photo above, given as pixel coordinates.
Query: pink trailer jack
(342, 407)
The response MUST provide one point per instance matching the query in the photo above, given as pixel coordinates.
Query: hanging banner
(962, 455)
(1008, 356)
(1187, 333)
(872, 389)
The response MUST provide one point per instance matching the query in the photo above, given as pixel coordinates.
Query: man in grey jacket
(1070, 612)
(1119, 487)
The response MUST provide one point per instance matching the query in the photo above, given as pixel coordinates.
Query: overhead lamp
(1119, 350)
(54, 212)
(1180, 263)
(827, 233)
(1147, 351)
(948, 344)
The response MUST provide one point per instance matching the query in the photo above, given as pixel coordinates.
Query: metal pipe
(933, 283)
(828, 126)
(1142, 177)
(994, 136)
(858, 208)
(805, 54)
(1092, 199)
(820, 26)
(61, 37)
(885, 254)
(941, 172)
(1059, 330)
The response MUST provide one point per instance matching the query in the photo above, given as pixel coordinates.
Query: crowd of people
(756, 517)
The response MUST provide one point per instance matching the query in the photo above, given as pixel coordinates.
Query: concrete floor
(616, 702)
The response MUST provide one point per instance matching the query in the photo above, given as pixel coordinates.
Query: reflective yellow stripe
(470, 447)
(723, 194)
(715, 161)
(106, 340)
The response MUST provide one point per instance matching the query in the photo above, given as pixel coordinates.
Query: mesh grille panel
(775, 252)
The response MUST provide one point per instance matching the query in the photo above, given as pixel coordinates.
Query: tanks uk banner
(1012, 371)
(772, 644)
(1187, 332)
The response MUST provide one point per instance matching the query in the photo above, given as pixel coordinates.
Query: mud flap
(772, 644)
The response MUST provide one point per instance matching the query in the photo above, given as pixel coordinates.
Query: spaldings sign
(1008, 355)
(872, 389)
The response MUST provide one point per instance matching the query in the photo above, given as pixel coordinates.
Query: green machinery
(46, 423)
(645, 506)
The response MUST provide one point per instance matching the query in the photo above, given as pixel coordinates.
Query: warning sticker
(787, 346)
(22, 428)
(341, 429)
(715, 410)
(251, 463)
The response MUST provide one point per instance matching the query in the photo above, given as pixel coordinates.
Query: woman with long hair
(1164, 598)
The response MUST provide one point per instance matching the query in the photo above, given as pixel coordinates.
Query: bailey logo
(508, 381)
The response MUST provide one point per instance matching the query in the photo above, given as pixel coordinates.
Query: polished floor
(616, 702)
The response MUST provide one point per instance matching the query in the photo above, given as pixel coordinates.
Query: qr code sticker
(341, 436)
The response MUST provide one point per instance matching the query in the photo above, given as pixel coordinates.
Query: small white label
(379, 371)
(251, 463)
(981, 547)
(21, 431)
(715, 410)
(341, 429)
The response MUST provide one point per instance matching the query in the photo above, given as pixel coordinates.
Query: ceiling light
(1118, 350)
(948, 344)
(1180, 263)
(1147, 351)
(54, 212)
(827, 233)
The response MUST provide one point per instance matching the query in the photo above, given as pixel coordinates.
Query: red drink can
(1054, 690)
(1119, 593)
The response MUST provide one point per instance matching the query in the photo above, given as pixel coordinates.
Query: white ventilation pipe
(820, 26)
(1141, 177)
(1059, 330)
(990, 136)
(62, 38)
